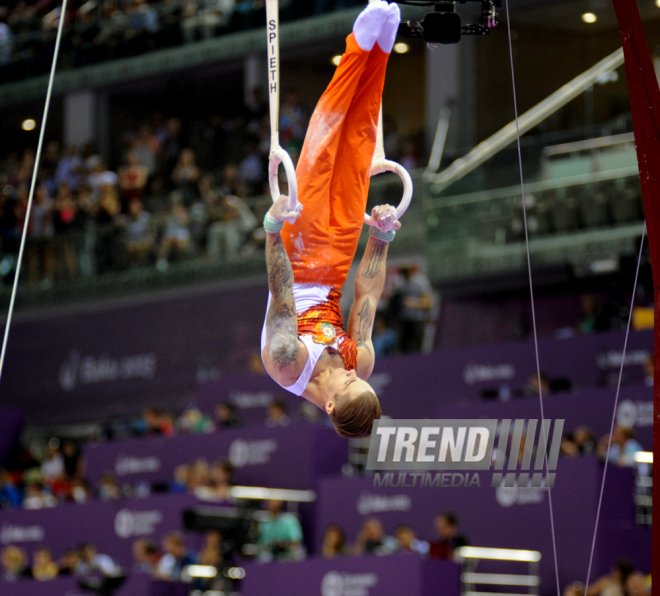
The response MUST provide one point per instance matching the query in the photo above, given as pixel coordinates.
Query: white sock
(369, 23)
(390, 28)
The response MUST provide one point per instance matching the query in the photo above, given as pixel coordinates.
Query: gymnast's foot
(369, 24)
(390, 28)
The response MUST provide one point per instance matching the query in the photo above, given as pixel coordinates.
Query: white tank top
(306, 296)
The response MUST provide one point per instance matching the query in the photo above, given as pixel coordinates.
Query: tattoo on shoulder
(375, 258)
(365, 322)
(282, 320)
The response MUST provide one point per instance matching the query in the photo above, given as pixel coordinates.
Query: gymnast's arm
(369, 284)
(285, 354)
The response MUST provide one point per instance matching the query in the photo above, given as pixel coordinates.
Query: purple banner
(112, 527)
(135, 585)
(114, 359)
(366, 576)
(414, 386)
(509, 517)
(593, 408)
(292, 456)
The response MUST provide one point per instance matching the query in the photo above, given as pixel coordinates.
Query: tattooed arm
(285, 355)
(369, 284)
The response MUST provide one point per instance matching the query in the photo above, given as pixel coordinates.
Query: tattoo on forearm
(282, 320)
(364, 324)
(375, 258)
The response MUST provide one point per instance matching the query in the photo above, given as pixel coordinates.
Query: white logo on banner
(244, 400)
(347, 584)
(368, 503)
(478, 373)
(136, 523)
(126, 464)
(10, 534)
(631, 414)
(251, 453)
(612, 359)
(85, 370)
(513, 495)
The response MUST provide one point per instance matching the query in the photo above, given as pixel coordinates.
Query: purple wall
(415, 386)
(100, 361)
(112, 527)
(138, 585)
(508, 518)
(592, 408)
(284, 457)
(366, 576)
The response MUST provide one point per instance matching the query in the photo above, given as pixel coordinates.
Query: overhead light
(657, 3)
(235, 573)
(336, 60)
(403, 48)
(644, 457)
(589, 17)
(28, 124)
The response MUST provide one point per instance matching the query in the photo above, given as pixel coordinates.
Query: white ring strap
(277, 154)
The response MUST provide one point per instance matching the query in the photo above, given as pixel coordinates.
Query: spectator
(384, 338)
(146, 556)
(407, 542)
(623, 447)
(613, 584)
(277, 414)
(13, 564)
(185, 176)
(139, 234)
(636, 585)
(371, 539)
(594, 318)
(584, 440)
(39, 254)
(108, 489)
(36, 497)
(250, 170)
(180, 482)
(107, 218)
(6, 39)
(79, 490)
(412, 302)
(176, 238)
(10, 496)
(334, 542)
(43, 566)
(230, 220)
(71, 460)
(132, 178)
(64, 215)
(225, 416)
(280, 537)
(176, 558)
(92, 561)
(69, 562)
(198, 475)
(100, 176)
(446, 526)
(194, 421)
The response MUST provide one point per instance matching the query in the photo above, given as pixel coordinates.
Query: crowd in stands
(623, 580)
(99, 30)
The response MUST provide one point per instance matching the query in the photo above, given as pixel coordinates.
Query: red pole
(645, 108)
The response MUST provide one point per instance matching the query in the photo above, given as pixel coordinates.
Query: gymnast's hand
(385, 219)
(280, 210)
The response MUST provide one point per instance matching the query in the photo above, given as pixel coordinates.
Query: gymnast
(309, 251)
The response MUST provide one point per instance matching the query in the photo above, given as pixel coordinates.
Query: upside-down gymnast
(304, 345)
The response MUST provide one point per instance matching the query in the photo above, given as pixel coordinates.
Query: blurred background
(141, 439)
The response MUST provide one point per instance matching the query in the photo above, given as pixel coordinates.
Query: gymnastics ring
(280, 156)
(385, 165)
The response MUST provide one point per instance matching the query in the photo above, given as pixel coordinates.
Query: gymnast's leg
(309, 241)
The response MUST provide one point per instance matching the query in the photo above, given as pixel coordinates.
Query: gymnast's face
(343, 386)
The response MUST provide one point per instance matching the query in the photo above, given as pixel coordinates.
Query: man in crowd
(446, 526)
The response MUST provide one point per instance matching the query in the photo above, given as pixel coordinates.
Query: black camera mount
(443, 25)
